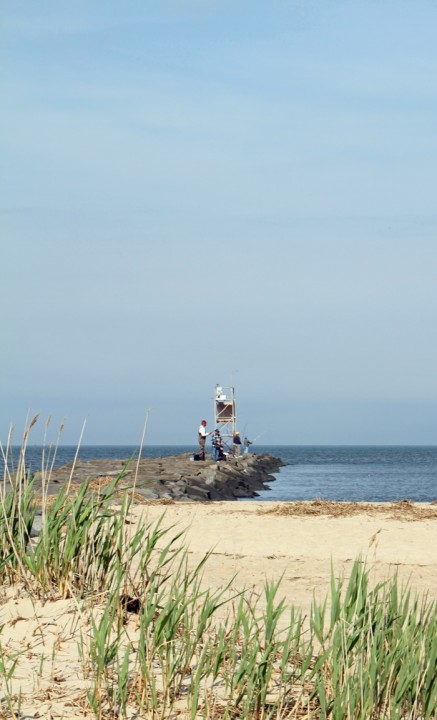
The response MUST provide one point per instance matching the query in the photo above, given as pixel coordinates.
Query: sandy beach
(258, 540)
(249, 543)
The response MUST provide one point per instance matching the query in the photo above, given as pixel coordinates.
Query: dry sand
(298, 541)
(249, 540)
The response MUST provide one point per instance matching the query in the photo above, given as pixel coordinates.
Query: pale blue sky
(202, 192)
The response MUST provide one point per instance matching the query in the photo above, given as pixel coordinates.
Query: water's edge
(355, 473)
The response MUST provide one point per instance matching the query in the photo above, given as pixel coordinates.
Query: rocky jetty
(177, 478)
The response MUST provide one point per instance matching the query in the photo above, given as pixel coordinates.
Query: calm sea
(333, 473)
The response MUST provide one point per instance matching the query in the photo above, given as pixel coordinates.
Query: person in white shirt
(202, 439)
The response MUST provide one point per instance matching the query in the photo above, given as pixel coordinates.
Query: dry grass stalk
(400, 510)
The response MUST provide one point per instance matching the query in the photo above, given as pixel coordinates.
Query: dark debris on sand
(399, 510)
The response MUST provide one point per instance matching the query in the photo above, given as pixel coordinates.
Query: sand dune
(249, 542)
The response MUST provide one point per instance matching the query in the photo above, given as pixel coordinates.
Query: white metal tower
(225, 412)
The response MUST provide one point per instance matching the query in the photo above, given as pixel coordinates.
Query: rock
(36, 527)
(147, 493)
(176, 477)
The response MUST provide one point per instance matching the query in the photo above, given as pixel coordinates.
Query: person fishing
(217, 446)
(202, 439)
(246, 443)
(236, 444)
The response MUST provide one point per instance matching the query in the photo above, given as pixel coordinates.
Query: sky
(201, 192)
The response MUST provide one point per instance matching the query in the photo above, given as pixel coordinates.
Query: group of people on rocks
(218, 448)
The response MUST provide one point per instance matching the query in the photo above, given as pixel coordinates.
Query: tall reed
(17, 509)
(379, 651)
(208, 653)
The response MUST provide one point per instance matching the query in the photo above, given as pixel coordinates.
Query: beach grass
(154, 642)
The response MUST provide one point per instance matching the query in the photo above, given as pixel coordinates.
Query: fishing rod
(258, 436)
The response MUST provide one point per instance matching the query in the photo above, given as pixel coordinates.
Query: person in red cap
(202, 439)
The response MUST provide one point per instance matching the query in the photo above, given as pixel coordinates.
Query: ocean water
(374, 473)
(371, 474)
